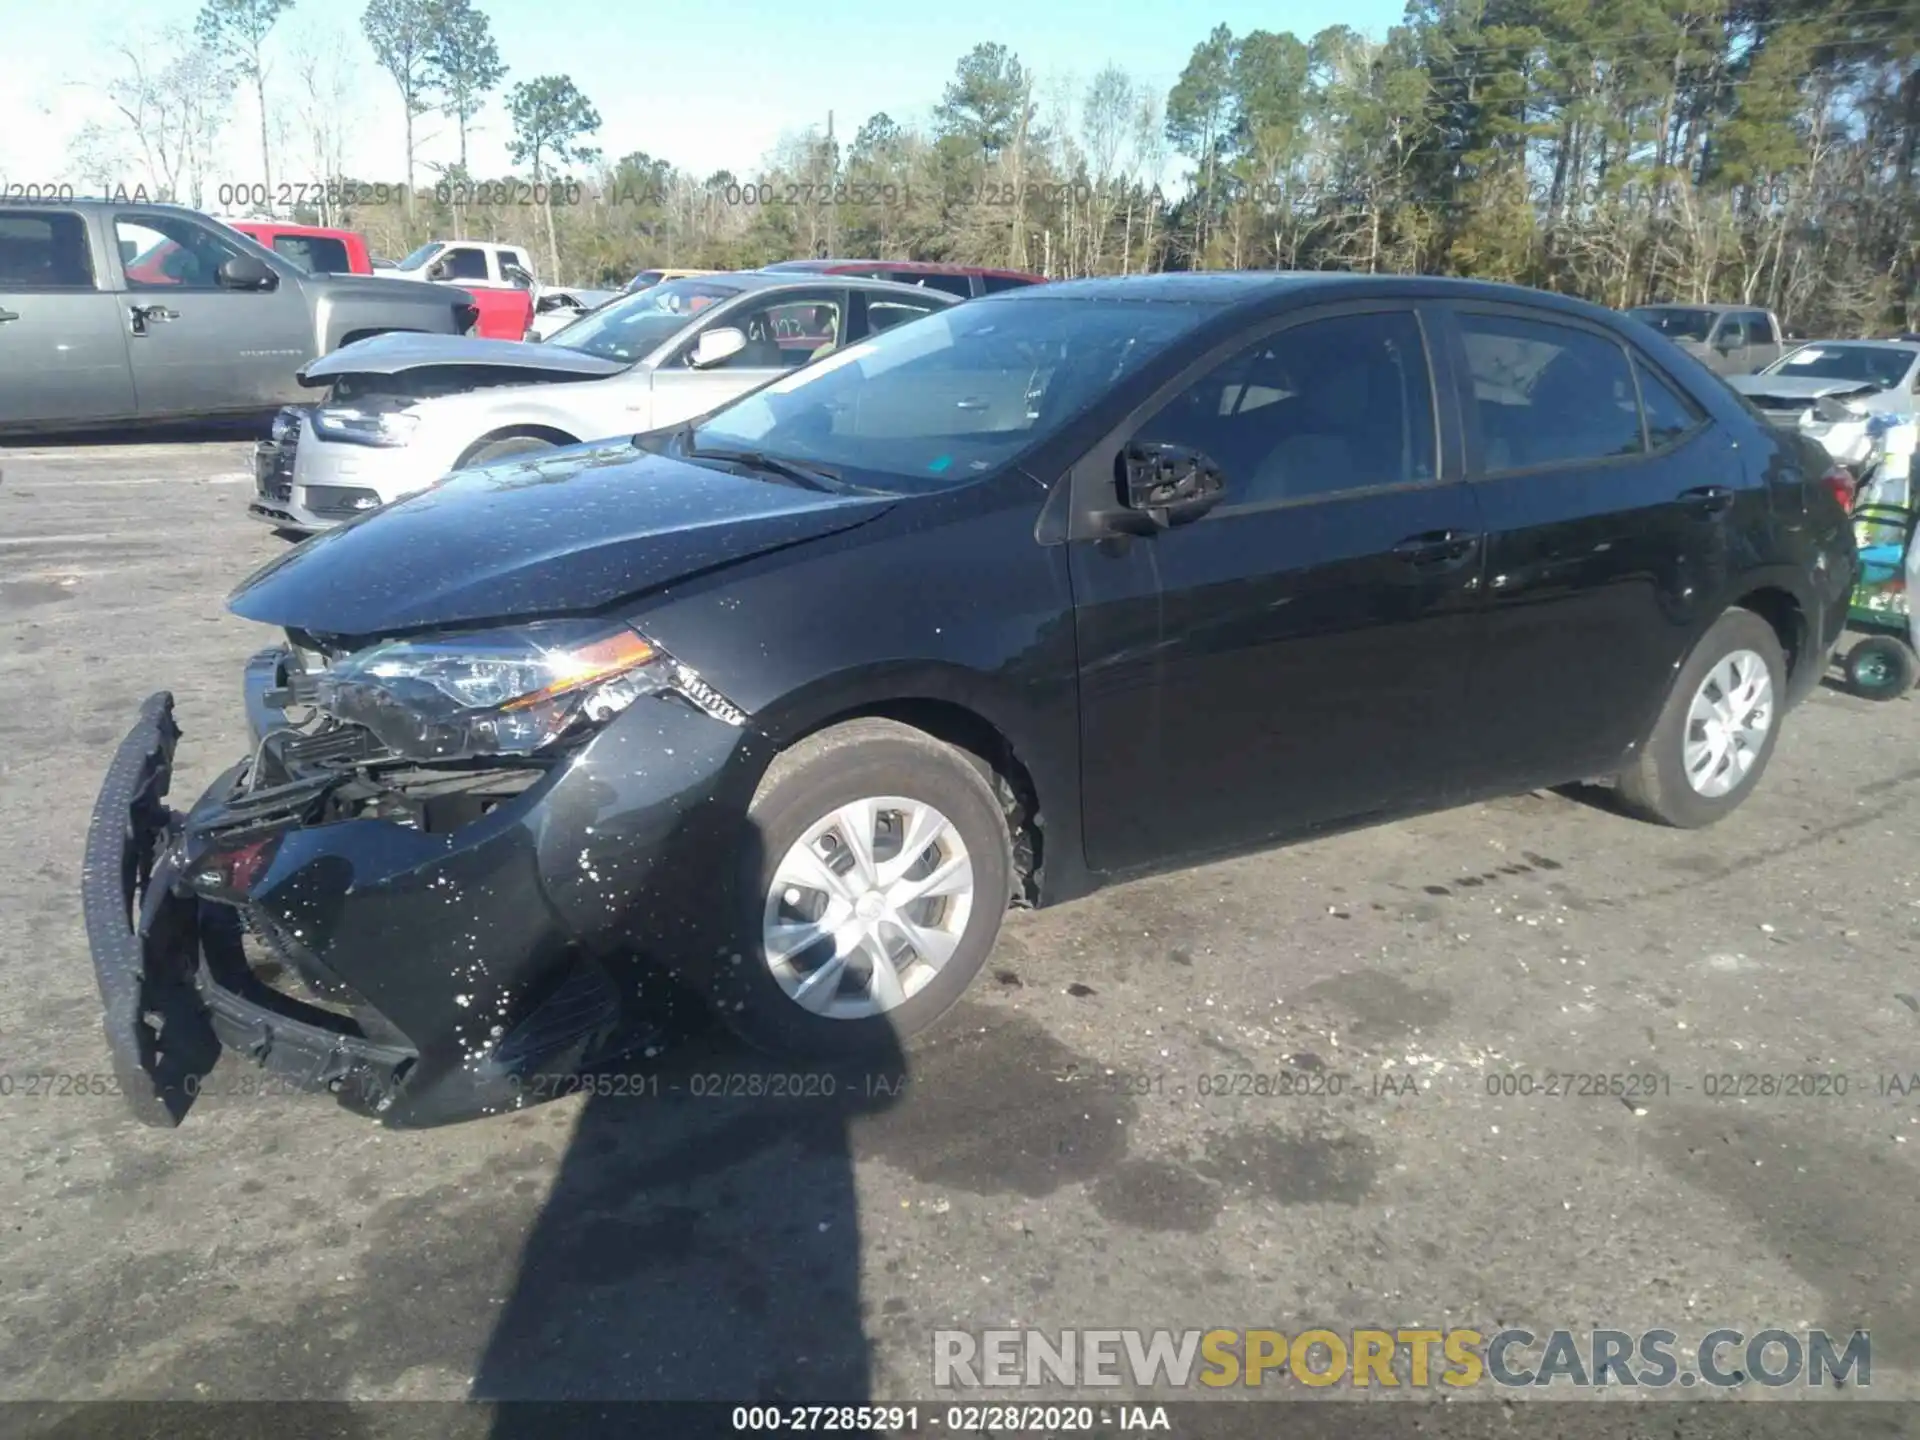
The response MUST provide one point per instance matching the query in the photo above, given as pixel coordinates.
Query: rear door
(63, 343)
(197, 347)
(1609, 528)
(1298, 656)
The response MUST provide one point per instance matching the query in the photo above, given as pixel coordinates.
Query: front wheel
(1717, 731)
(1880, 668)
(493, 450)
(881, 872)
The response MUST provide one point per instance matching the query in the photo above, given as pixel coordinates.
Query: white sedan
(402, 410)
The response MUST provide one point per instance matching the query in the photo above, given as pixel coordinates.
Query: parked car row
(791, 694)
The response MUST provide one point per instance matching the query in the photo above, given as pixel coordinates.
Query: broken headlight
(512, 691)
(385, 428)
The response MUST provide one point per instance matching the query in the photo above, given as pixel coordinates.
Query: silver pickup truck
(118, 313)
(1727, 339)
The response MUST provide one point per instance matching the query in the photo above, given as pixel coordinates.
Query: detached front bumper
(421, 974)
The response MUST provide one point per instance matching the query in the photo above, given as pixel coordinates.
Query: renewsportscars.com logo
(1414, 1358)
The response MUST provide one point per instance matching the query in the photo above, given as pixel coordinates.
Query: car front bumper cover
(420, 973)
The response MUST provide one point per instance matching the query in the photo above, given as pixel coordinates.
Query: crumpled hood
(394, 353)
(1797, 387)
(570, 531)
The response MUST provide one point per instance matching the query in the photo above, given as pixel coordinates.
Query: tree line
(1759, 151)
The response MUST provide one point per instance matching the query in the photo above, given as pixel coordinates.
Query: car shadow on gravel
(701, 1239)
(186, 432)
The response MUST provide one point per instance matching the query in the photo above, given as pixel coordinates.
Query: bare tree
(1109, 108)
(325, 109)
(169, 99)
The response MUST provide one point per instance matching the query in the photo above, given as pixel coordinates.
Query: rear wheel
(879, 883)
(1717, 730)
(489, 451)
(1880, 668)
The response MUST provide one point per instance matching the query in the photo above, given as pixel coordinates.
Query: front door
(63, 346)
(1298, 656)
(197, 347)
(1608, 503)
(782, 334)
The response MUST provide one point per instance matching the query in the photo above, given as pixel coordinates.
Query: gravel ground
(1052, 1157)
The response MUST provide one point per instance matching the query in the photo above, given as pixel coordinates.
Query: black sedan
(995, 608)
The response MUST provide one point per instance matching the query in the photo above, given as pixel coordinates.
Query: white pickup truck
(499, 277)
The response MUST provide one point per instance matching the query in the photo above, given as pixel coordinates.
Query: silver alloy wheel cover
(1727, 724)
(893, 914)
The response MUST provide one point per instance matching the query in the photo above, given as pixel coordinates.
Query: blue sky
(704, 86)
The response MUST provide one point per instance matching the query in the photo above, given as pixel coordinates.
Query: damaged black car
(785, 707)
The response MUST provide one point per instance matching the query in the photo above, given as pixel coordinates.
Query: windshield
(1879, 365)
(420, 257)
(633, 326)
(1674, 322)
(947, 397)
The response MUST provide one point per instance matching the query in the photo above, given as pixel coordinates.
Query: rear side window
(317, 254)
(44, 250)
(1313, 411)
(1548, 394)
(961, 285)
(463, 263)
(1671, 416)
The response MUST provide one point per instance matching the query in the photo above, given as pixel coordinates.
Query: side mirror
(245, 272)
(438, 270)
(1727, 341)
(1167, 485)
(516, 277)
(721, 343)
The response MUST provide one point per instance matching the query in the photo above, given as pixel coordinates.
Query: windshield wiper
(813, 477)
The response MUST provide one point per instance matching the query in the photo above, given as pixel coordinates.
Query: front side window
(44, 250)
(637, 324)
(783, 334)
(1548, 394)
(171, 253)
(1329, 406)
(960, 285)
(1759, 329)
(950, 396)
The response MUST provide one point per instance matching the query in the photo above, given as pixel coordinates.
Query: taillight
(1839, 480)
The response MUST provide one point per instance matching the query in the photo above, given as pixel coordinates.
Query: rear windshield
(316, 254)
(634, 326)
(1676, 322)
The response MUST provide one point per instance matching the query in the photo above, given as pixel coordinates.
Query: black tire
(847, 762)
(1654, 785)
(492, 450)
(1880, 668)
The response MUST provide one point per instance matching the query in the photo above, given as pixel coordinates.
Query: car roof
(1716, 306)
(810, 279)
(913, 267)
(1263, 288)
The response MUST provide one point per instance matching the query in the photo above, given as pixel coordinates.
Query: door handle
(6, 315)
(145, 315)
(1436, 547)
(1707, 499)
